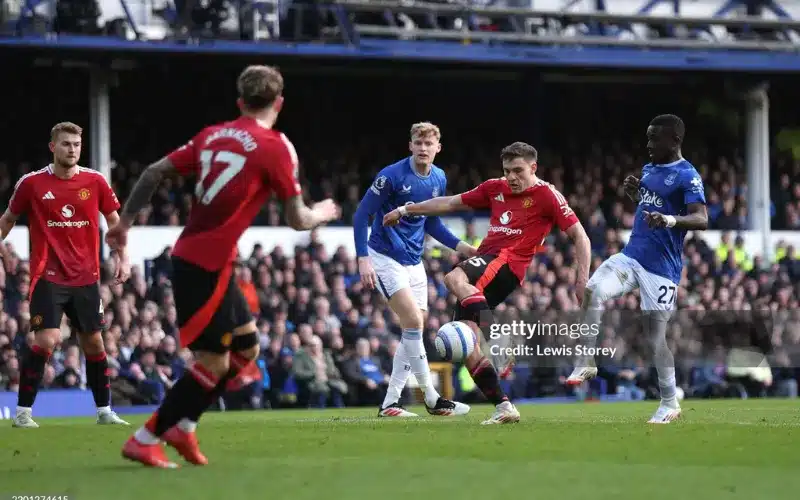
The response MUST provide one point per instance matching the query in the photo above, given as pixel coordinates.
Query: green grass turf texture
(718, 450)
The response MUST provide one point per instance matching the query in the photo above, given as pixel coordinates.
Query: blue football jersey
(667, 189)
(396, 185)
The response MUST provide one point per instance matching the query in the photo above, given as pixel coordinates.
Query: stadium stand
(704, 23)
(306, 298)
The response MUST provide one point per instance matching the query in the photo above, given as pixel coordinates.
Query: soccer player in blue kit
(671, 202)
(391, 261)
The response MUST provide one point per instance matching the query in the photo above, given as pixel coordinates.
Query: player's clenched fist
(392, 218)
(327, 210)
(365, 269)
(655, 220)
(631, 187)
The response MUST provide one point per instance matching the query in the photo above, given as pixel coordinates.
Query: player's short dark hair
(64, 127)
(519, 150)
(671, 122)
(259, 86)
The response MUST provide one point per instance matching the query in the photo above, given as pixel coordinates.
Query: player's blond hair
(259, 86)
(66, 128)
(425, 129)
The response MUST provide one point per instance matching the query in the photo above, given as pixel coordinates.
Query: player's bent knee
(92, 343)
(456, 279)
(47, 338)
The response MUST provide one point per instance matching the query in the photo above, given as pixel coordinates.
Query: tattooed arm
(143, 190)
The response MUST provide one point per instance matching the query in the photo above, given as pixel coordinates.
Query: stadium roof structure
(664, 34)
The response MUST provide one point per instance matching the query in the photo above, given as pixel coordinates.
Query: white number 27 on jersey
(233, 164)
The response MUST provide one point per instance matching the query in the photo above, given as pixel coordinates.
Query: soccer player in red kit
(238, 165)
(63, 202)
(524, 210)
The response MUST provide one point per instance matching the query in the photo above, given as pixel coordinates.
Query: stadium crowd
(593, 185)
(327, 341)
(591, 180)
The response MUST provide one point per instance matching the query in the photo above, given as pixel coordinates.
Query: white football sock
(103, 409)
(593, 315)
(401, 369)
(145, 437)
(655, 325)
(187, 425)
(415, 350)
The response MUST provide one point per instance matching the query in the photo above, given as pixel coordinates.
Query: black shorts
(210, 306)
(81, 304)
(492, 276)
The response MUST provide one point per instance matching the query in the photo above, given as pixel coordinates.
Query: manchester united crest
(84, 194)
(527, 203)
(36, 321)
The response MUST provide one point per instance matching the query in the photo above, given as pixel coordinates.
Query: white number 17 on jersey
(233, 164)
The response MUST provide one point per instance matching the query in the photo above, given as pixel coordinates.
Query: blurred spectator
(313, 367)
(626, 376)
(364, 371)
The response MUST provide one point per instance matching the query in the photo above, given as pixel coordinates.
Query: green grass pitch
(719, 450)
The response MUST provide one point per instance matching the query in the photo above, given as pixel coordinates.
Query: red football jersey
(520, 222)
(238, 165)
(63, 218)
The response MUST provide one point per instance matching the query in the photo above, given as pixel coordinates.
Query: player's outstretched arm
(302, 218)
(144, 189)
(117, 236)
(583, 257)
(435, 206)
